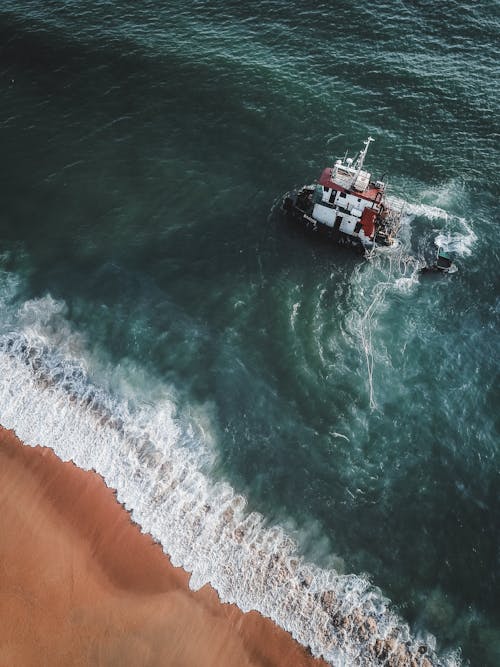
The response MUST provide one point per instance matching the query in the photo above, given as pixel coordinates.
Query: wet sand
(81, 585)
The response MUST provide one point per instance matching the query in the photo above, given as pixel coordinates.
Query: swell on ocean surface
(153, 459)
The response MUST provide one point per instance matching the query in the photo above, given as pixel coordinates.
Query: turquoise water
(352, 402)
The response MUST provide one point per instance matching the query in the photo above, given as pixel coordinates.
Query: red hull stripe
(368, 221)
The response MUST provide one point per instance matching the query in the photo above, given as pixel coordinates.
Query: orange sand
(81, 585)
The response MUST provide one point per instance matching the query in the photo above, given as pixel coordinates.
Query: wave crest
(48, 399)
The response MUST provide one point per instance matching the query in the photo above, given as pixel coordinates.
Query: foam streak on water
(49, 400)
(387, 269)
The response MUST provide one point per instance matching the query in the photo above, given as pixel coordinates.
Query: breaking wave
(460, 244)
(151, 456)
(455, 235)
(429, 212)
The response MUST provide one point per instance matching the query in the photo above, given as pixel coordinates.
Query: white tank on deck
(362, 181)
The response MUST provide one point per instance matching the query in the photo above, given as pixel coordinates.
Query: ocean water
(314, 433)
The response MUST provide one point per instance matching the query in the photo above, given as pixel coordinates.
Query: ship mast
(350, 169)
(362, 155)
(361, 158)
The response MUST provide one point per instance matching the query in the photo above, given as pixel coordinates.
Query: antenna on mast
(361, 158)
(363, 153)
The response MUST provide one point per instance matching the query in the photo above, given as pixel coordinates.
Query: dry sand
(81, 585)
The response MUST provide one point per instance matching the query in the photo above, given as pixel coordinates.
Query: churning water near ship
(311, 432)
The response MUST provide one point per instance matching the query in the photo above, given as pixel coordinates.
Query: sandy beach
(81, 585)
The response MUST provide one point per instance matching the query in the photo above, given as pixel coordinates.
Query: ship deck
(371, 193)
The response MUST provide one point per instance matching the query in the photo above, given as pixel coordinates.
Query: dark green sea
(291, 421)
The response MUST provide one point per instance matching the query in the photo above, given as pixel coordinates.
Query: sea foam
(455, 234)
(144, 453)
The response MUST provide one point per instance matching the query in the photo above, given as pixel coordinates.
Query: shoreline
(82, 585)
